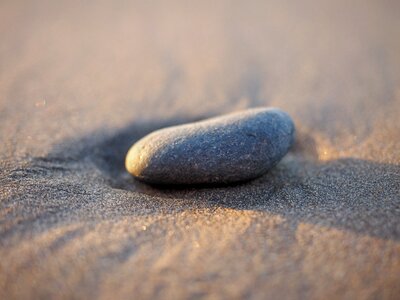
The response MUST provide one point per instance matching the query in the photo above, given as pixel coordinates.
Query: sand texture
(81, 81)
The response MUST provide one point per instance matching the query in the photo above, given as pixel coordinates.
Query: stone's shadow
(109, 155)
(353, 194)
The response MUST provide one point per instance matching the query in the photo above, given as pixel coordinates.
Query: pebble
(230, 148)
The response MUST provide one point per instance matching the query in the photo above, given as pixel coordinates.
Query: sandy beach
(80, 82)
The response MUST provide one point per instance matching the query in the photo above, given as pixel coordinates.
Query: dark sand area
(81, 81)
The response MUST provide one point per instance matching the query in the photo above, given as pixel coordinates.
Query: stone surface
(234, 147)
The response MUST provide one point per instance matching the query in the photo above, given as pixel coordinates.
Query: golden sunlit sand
(80, 82)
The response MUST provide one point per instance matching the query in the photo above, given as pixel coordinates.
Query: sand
(81, 81)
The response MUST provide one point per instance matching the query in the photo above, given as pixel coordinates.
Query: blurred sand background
(80, 81)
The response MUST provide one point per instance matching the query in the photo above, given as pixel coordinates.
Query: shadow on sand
(352, 194)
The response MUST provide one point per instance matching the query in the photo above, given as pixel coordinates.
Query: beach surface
(81, 81)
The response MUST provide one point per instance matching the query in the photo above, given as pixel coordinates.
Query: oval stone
(230, 148)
